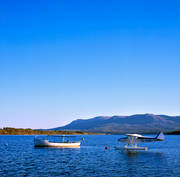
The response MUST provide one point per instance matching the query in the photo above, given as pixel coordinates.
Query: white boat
(132, 140)
(54, 141)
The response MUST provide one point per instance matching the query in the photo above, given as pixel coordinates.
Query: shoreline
(21, 131)
(28, 131)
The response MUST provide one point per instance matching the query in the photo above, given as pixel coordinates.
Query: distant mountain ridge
(138, 123)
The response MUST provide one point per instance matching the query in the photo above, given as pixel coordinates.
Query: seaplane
(132, 140)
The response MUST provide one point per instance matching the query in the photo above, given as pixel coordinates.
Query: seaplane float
(132, 140)
(62, 141)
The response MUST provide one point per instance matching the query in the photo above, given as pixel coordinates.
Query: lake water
(20, 158)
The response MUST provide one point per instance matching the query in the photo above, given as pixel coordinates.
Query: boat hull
(46, 143)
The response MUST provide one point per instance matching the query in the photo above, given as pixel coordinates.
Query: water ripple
(20, 158)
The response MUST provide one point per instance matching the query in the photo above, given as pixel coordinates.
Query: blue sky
(63, 60)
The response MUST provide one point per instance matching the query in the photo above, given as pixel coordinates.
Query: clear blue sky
(63, 60)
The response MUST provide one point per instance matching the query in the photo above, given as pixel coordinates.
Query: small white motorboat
(56, 141)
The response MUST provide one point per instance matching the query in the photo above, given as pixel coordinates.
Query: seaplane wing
(140, 139)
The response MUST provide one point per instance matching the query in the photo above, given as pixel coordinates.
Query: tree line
(29, 131)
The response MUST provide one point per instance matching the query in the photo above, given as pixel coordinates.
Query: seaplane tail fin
(160, 136)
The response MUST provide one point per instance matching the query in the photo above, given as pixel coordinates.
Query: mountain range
(138, 123)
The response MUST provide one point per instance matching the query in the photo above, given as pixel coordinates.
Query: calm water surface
(20, 158)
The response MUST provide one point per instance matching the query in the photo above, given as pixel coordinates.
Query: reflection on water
(20, 158)
(146, 163)
(131, 153)
(142, 153)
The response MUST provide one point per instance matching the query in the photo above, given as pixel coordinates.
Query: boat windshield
(58, 138)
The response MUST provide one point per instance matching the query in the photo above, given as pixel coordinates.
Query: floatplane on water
(56, 141)
(132, 140)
